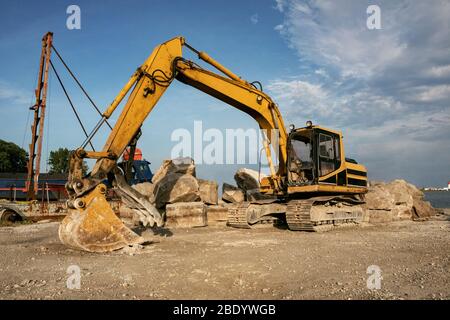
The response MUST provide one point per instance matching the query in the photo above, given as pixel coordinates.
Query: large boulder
(248, 181)
(186, 215)
(217, 214)
(179, 165)
(176, 187)
(379, 198)
(146, 189)
(396, 200)
(208, 191)
(379, 204)
(423, 209)
(232, 194)
(409, 196)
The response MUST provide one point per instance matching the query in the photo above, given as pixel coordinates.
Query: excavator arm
(91, 224)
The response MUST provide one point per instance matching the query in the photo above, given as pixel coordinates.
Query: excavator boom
(321, 187)
(91, 224)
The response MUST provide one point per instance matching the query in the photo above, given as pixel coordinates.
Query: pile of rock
(396, 200)
(191, 202)
(185, 199)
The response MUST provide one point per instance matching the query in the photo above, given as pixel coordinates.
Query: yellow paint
(326, 188)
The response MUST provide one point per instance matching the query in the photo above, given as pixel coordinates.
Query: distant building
(437, 188)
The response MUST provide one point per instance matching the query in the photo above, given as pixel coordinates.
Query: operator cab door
(301, 168)
(329, 156)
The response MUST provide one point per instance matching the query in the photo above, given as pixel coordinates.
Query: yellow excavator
(313, 187)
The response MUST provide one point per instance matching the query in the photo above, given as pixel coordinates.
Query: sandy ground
(225, 263)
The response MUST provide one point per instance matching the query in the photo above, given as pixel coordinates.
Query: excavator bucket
(94, 227)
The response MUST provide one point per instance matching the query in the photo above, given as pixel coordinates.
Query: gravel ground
(226, 263)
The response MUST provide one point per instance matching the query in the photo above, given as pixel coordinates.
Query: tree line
(14, 159)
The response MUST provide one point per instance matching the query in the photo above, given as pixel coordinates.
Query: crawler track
(316, 214)
(237, 216)
(299, 213)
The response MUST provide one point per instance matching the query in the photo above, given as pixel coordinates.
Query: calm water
(438, 199)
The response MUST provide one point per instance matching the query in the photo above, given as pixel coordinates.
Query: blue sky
(388, 90)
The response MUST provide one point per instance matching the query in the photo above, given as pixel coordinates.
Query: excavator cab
(316, 163)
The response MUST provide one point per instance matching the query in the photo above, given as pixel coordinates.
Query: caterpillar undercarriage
(315, 214)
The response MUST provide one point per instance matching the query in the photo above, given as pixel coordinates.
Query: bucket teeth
(141, 205)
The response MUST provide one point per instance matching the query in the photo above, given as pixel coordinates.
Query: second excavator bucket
(94, 226)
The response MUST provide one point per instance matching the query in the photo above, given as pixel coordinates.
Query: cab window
(327, 155)
(326, 149)
(302, 150)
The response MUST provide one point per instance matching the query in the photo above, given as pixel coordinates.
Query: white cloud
(440, 71)
(302, 100)
(388, 89)
(434, 93)
(280, 4)
(322, 73)
(279, 27)
(254, 18)
(335, 32)
(12, 95)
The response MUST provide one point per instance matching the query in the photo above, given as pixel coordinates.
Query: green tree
(59, 161)
(12, 157)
